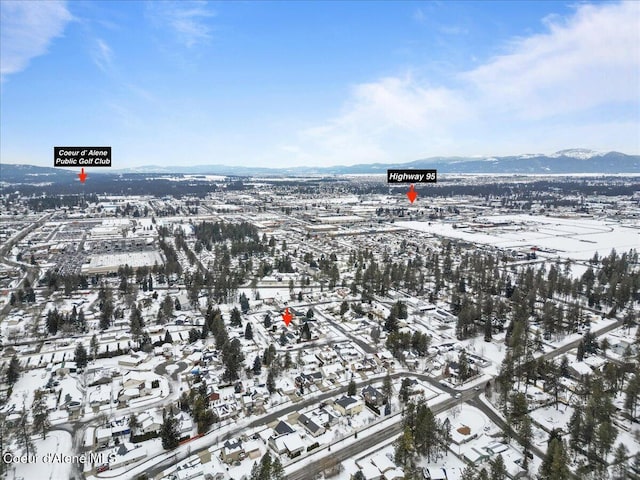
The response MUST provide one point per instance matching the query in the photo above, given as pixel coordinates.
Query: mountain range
(572, 161)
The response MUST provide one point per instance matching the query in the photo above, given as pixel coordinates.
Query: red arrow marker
(287, 317)
(83, 176)
(412, 194)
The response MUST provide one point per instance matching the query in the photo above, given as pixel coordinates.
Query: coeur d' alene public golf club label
(81, 156)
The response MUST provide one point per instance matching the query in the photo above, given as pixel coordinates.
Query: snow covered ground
(45, 466)
(574, 238)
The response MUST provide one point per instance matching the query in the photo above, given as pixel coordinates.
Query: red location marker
(287, 317)
(412, 194)
(82, 175)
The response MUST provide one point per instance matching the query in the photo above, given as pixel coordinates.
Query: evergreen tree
(387, 387)
(4, 431)
(167, 307)
(194, 335)
(135, 322)
(351, 389)
(271, 382)
(391, 323)
(23, 437)
(232, 359)
(244, 303)
(344, 307)
(277, 470)
(236, 318)
(487, 330)
(305, 331)
(404, 390)
(169, 432)
(405, 452)
(93, 346)
(167, 337)
(469, 473)
(257, 366)
(498, 469)
(265, 467)
(248, 332)
(621, 468)
(133, 422)
(464, 367)
(288, 363)
(632, 392)
(52, 321)
(13, 372)
(375, 335)
(106, 314)
(81, 357)
(40, 413)
(554, 466)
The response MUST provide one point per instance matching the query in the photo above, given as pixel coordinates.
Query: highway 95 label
(81, 156)
(411, 176)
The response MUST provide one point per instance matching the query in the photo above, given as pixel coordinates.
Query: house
(188, 472)
(147, 423)
(306, 379)
(252, 449)
(434, 473)
(325, 418)
(348, 405)
(133, 379)
(382, 463)
(127, 453)
(291, 444)
(373, 396)
(132, 360)
(102, 437)
(100, 395)
(185, 424)
(393, 474)
(282, 428)
(310, 425)
(167, 349)
(370, 472)
(64, 368)
(232, 451)
(475, 456)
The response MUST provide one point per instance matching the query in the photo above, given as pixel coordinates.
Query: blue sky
(316, 83)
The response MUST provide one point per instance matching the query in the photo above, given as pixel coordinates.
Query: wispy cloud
(102, 55)
(27, 29)
(419, 15)
(587, 60)
(188, 21)
(453, 30)
(590, 60)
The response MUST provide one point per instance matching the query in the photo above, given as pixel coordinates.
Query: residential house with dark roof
(310, 425)
(348, 405)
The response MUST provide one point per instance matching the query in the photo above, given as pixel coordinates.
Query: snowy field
(57, 442)
(573, 238)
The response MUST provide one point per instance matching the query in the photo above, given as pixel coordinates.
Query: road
(182, 453)
(31, 271)
(339, 454)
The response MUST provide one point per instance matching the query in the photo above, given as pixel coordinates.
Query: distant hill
(571, 161)
(568, 162)
(31, 174)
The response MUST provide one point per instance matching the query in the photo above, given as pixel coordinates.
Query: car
(458, 395)
(102, 468)
(476, 388)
